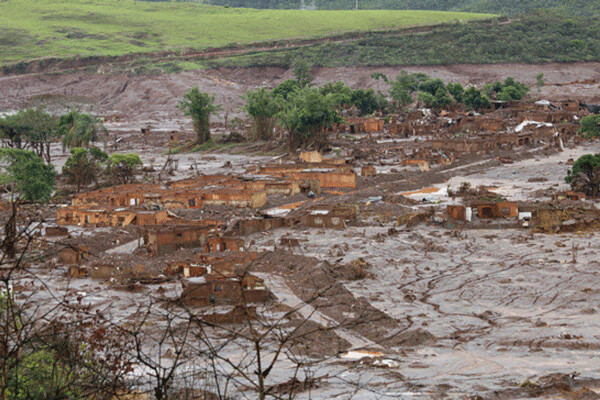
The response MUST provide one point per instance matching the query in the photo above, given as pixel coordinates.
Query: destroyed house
(223, 264)
(484, 210)
(109, 217)
(116, 196)
(252, 225)
(218, 290)
(161, 240)
(74, 255)
(329, 217)
(329, 175)
(217, 244)
(189, 198)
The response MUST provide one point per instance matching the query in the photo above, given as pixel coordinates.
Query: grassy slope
(532, 39)
(37, 28)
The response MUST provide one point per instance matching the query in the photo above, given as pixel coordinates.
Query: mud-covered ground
(452, 314)
(139, 98)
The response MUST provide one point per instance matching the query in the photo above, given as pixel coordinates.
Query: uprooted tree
(585, 175)
(199, 107)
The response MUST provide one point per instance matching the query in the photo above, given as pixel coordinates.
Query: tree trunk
(203, 131)
(11, 233)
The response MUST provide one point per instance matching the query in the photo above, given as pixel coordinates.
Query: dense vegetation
(508, 7)
(534, 39)
(585, 175)
(63, 28)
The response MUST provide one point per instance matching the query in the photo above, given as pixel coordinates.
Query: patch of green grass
(212, 145)
(65, 28)
(536, 38)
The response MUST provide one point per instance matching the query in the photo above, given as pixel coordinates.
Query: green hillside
(536, 38)
(62, 28)
(508, 7)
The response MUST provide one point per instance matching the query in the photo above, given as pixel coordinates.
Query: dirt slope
(156, 96)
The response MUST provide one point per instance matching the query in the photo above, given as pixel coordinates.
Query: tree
(508, 90)
(590, 126)
(342, 94)
(432, 86)
(79, 129)
(32, 128)
(83, 167)
(48, 348)
(199, 106)
(302, 73)
(442, 99)
(403, 86)
(539, 82)
(457, 91)
(28, 179)
(262, 107)
(474, 99)
(400, 95)
(286, 88)
(585, 175)
(123, 166)
(365, 100)
(426, 99)
(306, 115)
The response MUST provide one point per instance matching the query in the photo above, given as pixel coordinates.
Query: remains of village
(390, 233)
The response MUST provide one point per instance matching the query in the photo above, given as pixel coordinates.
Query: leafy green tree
(457, 91)
(475, 99)
(262, 107)
(400, 95)
(365, 100)
(306, 115)
(123, 167)
(539, 82)
(28, 179)
(508, 90)
(302, 73)
(79, 129)
(33, 128)
(379, 75)
(83, 167)
(432, 86)
(286, 88)
(426, 99)
(341, 93)
(402, 87)
(585, 175)
(438, 100)
(590, 126)
(199, 106)
(442, 99)
(12, 132)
